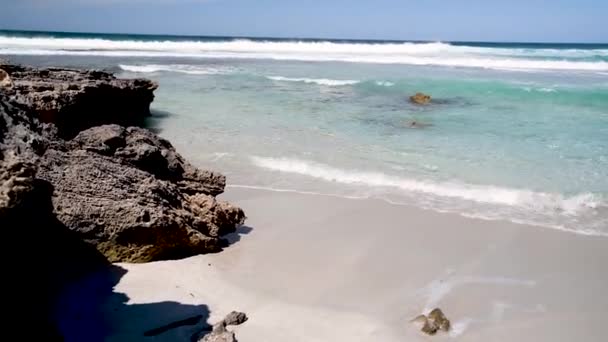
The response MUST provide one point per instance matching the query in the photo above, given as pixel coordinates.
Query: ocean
(516, 131)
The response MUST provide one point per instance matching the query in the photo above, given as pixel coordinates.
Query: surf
(318, 81)
(520, 201)
(178, 68)
(407, 53)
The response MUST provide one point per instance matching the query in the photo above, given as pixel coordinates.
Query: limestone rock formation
(73, 197)
(125, 191)
(78, 99)
(420, 99)
(41, 253)
(128, 192)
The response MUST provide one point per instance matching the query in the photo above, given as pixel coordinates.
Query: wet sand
(321, 268)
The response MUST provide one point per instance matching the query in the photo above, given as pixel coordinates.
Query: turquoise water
(517, 131)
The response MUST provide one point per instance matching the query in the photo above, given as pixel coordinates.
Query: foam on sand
(520, 200)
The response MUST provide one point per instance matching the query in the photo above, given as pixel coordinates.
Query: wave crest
(179, 68)
(437, 54)
(319, 81)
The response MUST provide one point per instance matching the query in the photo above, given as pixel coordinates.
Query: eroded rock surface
(42, 253)
(125, 191)
(129, 193)
(78, 99)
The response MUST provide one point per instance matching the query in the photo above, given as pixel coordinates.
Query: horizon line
(304, 38)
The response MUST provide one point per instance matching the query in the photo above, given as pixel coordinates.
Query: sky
(435, 20)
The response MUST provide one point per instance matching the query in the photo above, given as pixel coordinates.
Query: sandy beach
(311, 267)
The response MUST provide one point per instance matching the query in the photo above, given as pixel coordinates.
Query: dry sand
(319, 268)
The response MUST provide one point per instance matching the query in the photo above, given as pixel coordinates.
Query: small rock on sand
(220, 333)
(435, 321)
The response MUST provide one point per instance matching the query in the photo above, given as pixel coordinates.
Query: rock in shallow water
(420, 98)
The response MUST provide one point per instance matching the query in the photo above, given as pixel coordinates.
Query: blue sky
(507, 20)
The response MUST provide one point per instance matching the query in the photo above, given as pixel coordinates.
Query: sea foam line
(437, 54)
(562, 228)
(535, 201)
(319, 81)
(179, 68)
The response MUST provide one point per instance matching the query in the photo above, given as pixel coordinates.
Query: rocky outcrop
(219, 333)
(41, 254)
(420, 99)
(129, 193)
(125, 191)
(75, 196)
(78, 99)
(433, 322)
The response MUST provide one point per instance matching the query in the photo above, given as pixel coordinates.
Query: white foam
(438, 289)
(546, 90)
(179, 68)
(530, 200)
(439, 54)
(542, 90)
(384, 83)
(459, 327)
(319, 81)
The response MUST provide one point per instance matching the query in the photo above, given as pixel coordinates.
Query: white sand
(320, 268)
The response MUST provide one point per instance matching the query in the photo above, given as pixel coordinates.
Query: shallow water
(514, 132)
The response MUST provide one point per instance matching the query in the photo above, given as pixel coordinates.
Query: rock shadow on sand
(235, 237)
(91, 310)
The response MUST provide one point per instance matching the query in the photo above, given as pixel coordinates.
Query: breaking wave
(526, 201)
(184, 69)
(319, 81)
(438, 54)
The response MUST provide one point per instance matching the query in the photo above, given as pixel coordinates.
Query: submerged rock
(420, 98)
(78, 99)
(434, 322)
(418, 124)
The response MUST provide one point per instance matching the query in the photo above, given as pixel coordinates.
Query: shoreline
(583, 232)
(319, 268)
